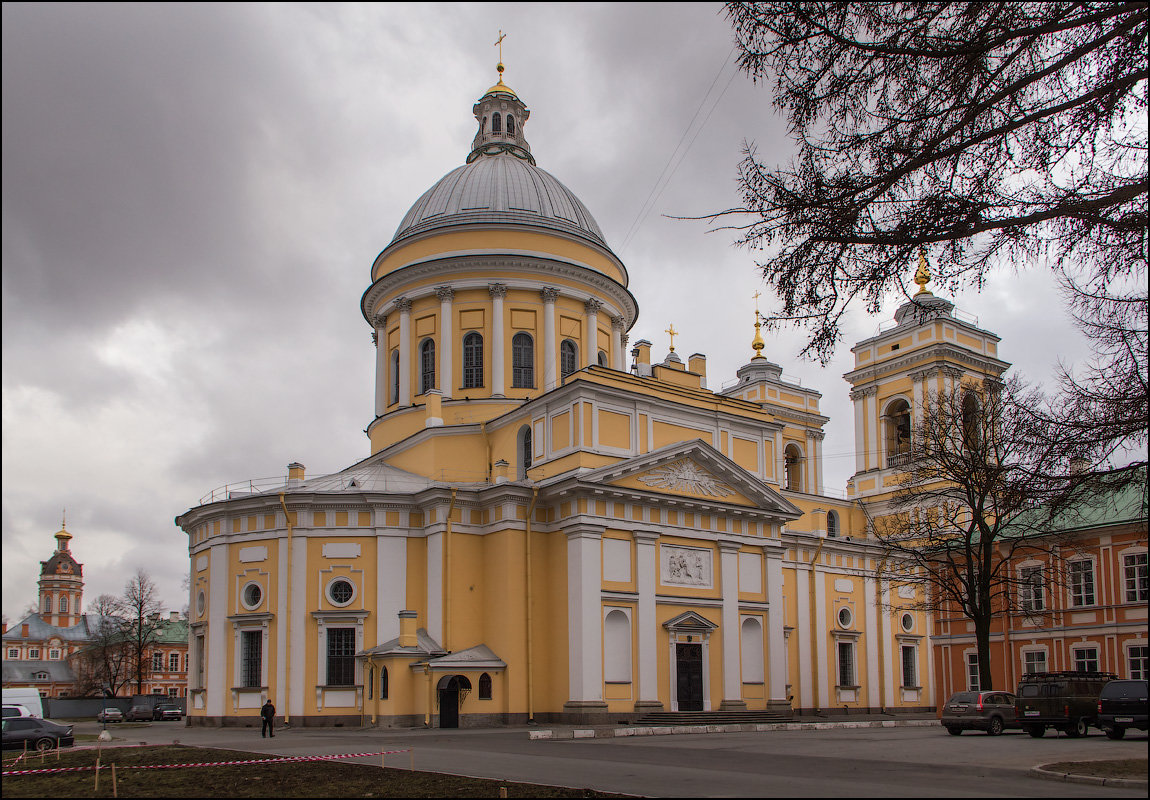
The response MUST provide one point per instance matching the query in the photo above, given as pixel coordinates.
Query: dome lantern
(501, 116)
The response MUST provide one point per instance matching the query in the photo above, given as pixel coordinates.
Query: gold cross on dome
(499, 43)
(671, 330)
(756, 296)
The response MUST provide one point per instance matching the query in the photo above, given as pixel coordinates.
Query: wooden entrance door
(689, 676)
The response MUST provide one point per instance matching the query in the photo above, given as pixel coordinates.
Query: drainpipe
(814, 628)
(447, 576)
(487, 442)
(527, 583)
(287, 622)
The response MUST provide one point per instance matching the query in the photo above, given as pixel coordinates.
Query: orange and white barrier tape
(281, 760)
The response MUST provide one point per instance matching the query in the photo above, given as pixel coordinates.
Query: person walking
(268, 712)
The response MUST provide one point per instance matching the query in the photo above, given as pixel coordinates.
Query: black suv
(1122, 705)
(1065, 701)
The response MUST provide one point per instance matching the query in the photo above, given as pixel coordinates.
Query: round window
(201, 604)
(252, 595)
(907, 622)
(845, 617)
(340, 592)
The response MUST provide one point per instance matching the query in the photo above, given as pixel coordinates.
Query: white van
(27, 697)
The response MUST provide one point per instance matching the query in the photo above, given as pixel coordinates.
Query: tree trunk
(982, 640)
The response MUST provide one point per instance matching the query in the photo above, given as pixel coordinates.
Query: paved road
(872, 762)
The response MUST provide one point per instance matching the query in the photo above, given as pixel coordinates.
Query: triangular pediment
(692, 470)
(690, 622)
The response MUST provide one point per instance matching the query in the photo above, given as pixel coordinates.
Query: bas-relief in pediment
(685, 477)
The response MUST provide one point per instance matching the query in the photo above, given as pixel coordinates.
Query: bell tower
(929, 347)
(61, 585)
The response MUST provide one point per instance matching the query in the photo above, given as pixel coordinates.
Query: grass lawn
(289, 779)
(1112, 768)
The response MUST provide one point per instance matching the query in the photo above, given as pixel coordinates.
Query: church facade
(551, 526)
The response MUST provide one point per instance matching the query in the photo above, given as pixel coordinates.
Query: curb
(1094, 780)
(758, 727)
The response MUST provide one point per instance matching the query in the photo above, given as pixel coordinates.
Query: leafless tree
(142, 609)
(106, 663)
(981, 483)
(994, 134)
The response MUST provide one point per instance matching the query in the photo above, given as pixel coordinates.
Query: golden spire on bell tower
(922, 274)
(500, 86)
(757, 344)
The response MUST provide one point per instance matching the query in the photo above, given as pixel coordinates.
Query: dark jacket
(268, 712)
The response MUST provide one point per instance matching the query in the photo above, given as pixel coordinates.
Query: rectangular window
(909, 666)
(846, 664)
(157, 662)
(157, 690)
(13, 652)
(1082, 583)
(1137, 657)
(33, 652)
(173, 662)
(173, 692)
(251, 659)
(1030, 594)
(53, 654)
(1034, 661)
(972, 682)
(341, 656)
(1086, 659)
(1137, 577)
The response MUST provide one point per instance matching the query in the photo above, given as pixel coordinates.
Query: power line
(672, 165)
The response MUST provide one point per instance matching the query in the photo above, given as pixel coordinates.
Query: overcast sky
(193, 197)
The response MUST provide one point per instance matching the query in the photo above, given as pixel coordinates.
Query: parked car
(110, 715)
(35, 734)
(16, 710)
(167, 711)
(1122, 705)
(139, 713)
(1065, 701)
(992, 712)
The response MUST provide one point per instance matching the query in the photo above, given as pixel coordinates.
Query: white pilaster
(404, 307)
(435, 587)
(809, 467)
(646, 564)
(872, 678)
(776, 640)
(379, 334)
(498, 353)
(446, 377)
(549, 296)
(585, 639)
(591, 332)
(819, 462)
(860, 442)
(298, 679)
(780, 474)
(732, 679)
(870, 404)
(217, 680)
(391, 592)
(618, 357)
(803, 612)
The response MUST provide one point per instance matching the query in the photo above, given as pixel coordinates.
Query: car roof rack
(1063, 674)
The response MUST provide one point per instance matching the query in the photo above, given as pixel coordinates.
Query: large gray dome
(502, 189)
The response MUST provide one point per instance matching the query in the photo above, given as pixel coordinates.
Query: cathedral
(552, 527)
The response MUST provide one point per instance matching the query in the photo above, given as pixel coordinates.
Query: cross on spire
(671, 330)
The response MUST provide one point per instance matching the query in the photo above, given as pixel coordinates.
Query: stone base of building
(586, 712)
(781, 707)
(846, 711)
(733, 705)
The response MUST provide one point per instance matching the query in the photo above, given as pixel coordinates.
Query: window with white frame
(1082, 583)
(341, 656)
(972, 681)
(54, 653)
(1086, 659)
(33, 652)
(909, 666)
(846, 652)
(14, 652)
(1136, 577)
(157, 662)
(251, 659)
(173, 662)
(1138, 661)
(1030, 591)
(1034, 661)
(173, 692)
